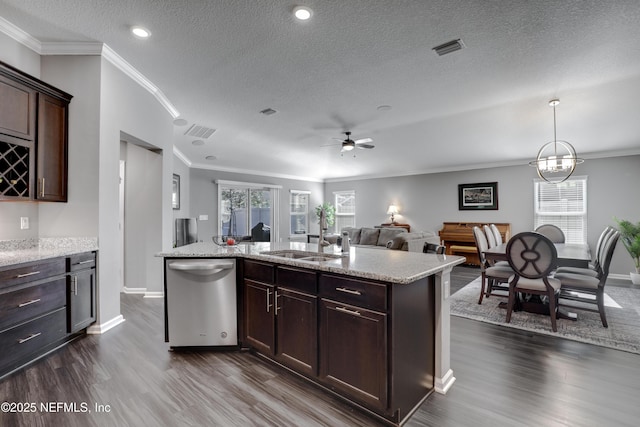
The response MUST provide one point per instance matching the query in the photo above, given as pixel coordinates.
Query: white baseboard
(620, 277)
(138, 291)
(151, 294)
(105, 326)
(442, 385)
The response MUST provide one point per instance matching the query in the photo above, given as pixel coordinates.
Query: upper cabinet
(33, 138)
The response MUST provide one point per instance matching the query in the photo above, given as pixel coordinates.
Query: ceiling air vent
(268, 111)
(199, 131)
(449, 47)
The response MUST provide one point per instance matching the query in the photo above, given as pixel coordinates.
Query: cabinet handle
(75, 285)
(33, 301)
(268, 305)
(20, 276)
(276, 302)
(349, 291)
(85, 262)
(30, 337)
(346, 310)
(42, 188)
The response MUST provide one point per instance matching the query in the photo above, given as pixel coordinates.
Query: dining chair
(588, 289)
(496, 234)
(492, 276)
(593, 268)
(432, 248)
(552, 232)
(532, 256)
(491, 238)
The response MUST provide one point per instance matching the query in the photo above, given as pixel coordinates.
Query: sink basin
(301, 255)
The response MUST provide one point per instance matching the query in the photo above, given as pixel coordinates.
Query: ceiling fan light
(348, 147)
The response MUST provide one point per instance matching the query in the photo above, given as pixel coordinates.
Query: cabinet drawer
(293, 278)
(24, 304)
(259, 271)
(81, 261)
(24, 340)
(32, 272)
(355, 292)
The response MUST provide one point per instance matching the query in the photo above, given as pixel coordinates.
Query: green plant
(329, 210)
(630, 236)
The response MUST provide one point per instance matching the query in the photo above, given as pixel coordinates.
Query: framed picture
(482, 196)
(175, 195)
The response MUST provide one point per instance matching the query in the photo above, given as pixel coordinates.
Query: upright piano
(458, 238)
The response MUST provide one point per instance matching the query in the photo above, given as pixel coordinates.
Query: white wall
(204, 198)
(426, 201)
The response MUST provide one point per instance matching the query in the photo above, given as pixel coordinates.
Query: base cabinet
(259, 317)
(353, 352)
(297, 345)
(81, 291)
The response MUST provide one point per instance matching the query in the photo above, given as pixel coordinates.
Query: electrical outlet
(24, 223)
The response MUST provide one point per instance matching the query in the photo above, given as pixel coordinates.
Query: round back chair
(552, 232)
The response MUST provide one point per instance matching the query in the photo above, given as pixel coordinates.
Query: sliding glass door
(246, 212)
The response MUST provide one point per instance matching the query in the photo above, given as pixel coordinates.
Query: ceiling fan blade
(331, 145)
(363, 140)
(367, 146)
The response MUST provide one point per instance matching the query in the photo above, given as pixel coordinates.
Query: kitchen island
(371, 328)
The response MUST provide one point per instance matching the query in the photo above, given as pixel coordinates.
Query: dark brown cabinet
(81, 291)
(52, 149)
(33, 138)
(259, 316)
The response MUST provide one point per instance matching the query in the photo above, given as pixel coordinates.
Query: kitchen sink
(301, 255)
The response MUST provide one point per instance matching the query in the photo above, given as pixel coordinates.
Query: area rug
(623, 316)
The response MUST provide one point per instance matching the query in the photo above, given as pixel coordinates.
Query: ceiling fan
(349, 144)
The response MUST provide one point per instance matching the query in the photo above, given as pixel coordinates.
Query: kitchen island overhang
(406, 276)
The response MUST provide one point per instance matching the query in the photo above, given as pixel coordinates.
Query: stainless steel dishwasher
(200, 302)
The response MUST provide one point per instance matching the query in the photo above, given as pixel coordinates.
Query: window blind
(563, 205)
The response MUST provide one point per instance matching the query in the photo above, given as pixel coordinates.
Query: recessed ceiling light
(210, 157)
(141, 32)
(179, 122)
(303, 13)
(198, 142)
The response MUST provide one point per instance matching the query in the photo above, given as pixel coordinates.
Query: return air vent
(449, 47)
(268, 111)
(199, 131)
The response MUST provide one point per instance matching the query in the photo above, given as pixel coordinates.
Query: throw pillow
(398, 241)
(369, 236)
(386, 234)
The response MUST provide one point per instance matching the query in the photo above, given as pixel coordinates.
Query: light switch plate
(24, 223)
(203, 217)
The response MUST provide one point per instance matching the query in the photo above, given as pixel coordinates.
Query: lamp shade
(392, 210)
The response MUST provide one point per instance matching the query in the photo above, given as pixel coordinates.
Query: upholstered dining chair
(584, 287)
(491, 276)
(496, 233)
(594, 267)
(432, 248)
(551, 232)
(533, 257)
(491, 239)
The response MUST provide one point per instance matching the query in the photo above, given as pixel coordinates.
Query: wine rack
(14, 170)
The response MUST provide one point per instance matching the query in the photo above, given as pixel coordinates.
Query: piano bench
(464, 249)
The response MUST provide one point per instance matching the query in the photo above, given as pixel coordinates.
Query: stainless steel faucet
(323, 224)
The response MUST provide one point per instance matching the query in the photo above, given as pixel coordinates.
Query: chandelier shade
(557, 159)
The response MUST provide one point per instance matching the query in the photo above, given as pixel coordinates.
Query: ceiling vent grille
(268, 111)
(449, 47)
(199, 131)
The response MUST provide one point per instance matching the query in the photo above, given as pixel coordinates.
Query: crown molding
(71, 48)
(20, 36)
(179, 154)
(254, 172)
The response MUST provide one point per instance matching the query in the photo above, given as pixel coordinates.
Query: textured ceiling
(221, 62)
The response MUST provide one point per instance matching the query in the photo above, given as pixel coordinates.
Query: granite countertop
(14, 252)
(377, 264)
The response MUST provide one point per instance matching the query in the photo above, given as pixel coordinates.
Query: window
(345, 203)
(242, 206)
(563, 205)
(299, 212)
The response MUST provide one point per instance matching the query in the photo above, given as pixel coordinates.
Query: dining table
(569, 255)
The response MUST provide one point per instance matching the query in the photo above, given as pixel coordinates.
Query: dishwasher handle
(200, 267)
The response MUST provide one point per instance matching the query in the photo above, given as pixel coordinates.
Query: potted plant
(630, 236)
(329, 211)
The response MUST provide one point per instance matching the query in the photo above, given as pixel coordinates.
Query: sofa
(395, 238)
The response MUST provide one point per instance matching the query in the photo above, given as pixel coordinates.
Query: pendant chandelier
(556, 160)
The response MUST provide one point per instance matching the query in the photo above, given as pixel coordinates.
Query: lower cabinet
(81, 289)
(353, 352)
(259, 316)
(296, 319)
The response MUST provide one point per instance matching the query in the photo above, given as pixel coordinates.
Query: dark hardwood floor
(505, 377)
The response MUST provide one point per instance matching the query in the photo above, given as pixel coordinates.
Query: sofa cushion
(369, 236)
(354, 234)
(387, 234)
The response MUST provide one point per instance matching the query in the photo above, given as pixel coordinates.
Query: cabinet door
(82, 299)
(297, 324)
(353, 352)
(17, 110)
(259, 316)
(51, 148)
